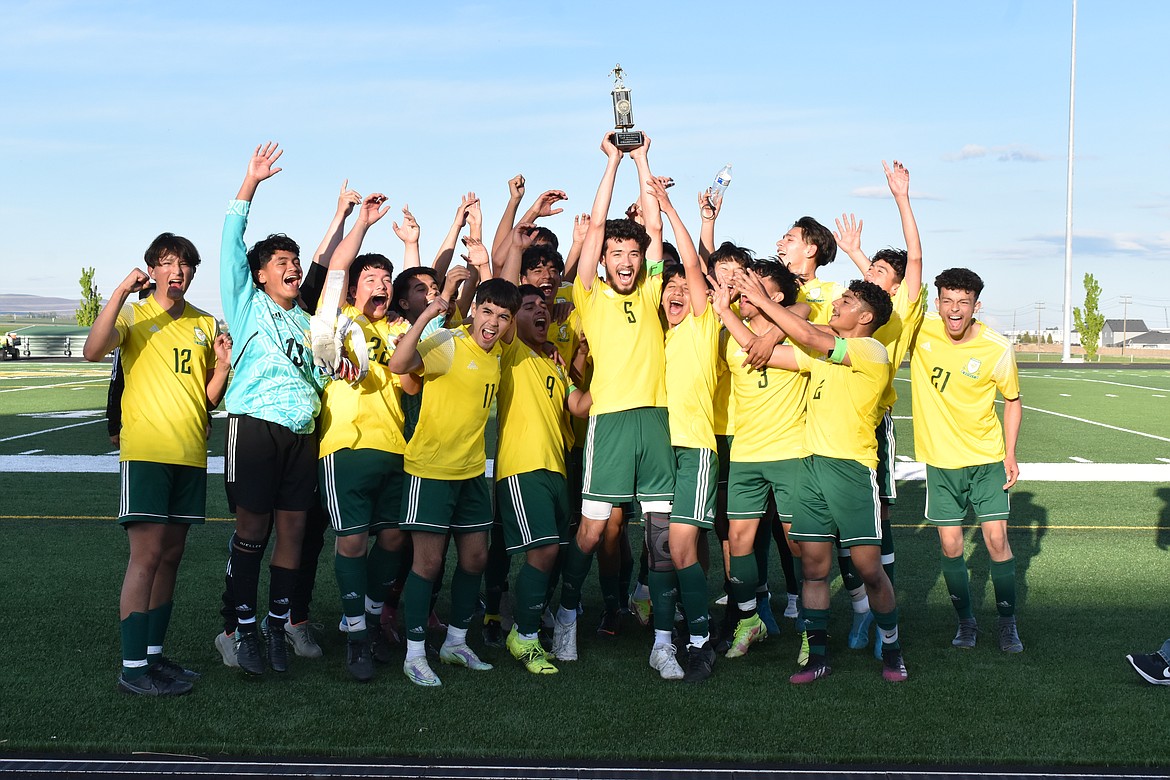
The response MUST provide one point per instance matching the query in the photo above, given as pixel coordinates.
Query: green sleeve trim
(655, 268)
(840, 348)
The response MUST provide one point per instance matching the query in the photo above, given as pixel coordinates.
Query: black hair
(262, 251)
(369, 260)
(539, 254)
(404, 279)
(530, 289)
(671, 270)
(876, 300)
(959, 279)
(781, 276)
(669, 253)
(170, 244)
(547, 236)
(729, 251)
(625, 229)
(894, 258)
(499, 292)
(819, 236)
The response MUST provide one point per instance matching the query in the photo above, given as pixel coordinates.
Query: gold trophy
(623, 114)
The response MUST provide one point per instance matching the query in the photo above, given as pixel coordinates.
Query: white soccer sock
(415, 649)
(455, 636)
(526, 637)
(566, 616)
(747, 606)
(698, 641)
(890, 636)
(641, 592)
(860, 600)
(661, 637)
(373, 607)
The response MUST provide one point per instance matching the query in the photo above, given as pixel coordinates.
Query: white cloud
(1005, 153)
(878, 192)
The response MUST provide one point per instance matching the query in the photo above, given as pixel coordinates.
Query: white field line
(46, 387)
(52, 430)
(1079, 460)
(1097, 381)
(906, 472)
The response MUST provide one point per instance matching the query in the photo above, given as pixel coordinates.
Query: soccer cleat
(300, 636)
(1151, 666)
(250, 652)
(564, 641)
(793, 608)
(859, 631)
(530, 653)
(748, 631)
(359, 661)
(726, 632)
(462, 655)
(893, 667)
(226, 645)
(764, 609)
(965, 636)
(700, 663)
(608, 627)
(419, 672)
(493, 633)
(1009, 639)
(803, 652)
(277, 649)
(663, 659)
(815, 669)
(640, 609)
(165, 667)
(151, 684)
(379, 646)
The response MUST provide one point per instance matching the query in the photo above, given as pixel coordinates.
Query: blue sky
(122, 120)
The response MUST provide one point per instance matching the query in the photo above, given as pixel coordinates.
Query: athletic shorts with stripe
(948, 491)
(750, 483)
(161, 493)
(534, 509)
(440, 506)
(886, 450)
(723, 450)
(628, 455)
(266, 466)
(836, 497)
(361, 490)
(696, 476)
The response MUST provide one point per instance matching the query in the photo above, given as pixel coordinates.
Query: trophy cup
(623, 114)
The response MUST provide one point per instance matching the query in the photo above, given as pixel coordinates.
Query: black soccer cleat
(700, 663)
(610, 621)
(165, 667)
(1151, 666)
(277, 649)
(151, 684)
(250, 652)
(379, 646)
(358, 660)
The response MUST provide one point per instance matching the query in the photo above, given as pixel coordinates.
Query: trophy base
(627, 139)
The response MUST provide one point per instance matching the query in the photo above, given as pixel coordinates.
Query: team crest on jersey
(972, 369)
(200, 337)
(563, 332)
(814, 295)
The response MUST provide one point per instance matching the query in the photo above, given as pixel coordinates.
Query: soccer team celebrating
(694, 387)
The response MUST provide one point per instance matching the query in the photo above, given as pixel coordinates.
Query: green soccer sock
(817, 624)
(416, 606)
(464, 597)
(531, 584)
(958, 585)
(692, 586)
(134, 630)
(351, 583)
(887, 628)
(1003, 579)
(381, 569)
(663, 597)
(573, 575)
(610, 591)
(157, 621)
(743, 581)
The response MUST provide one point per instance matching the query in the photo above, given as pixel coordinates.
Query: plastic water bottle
(722, 181)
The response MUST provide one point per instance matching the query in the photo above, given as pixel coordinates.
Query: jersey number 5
(629, 307)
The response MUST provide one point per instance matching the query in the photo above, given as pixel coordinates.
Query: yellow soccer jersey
(724, 401)
(844, 402)
(819, 295)
(369, 416)
(769, 409)
(897, 334)
(692, 368)
(166, 361)
(953, 387)
(625, 342)
(534, 424)
(460, 383)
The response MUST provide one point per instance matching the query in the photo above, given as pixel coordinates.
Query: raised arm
(103, 334)
(580, 228)
(477, 259)
(710, 204)
(595, 235)
(898, 178)
(346, 200)
(696, 279)
(1013, 417)
(848, 235)
(508, 218)
(801, 331)
(259, 169)
(408, 232)
(650, 211)
(405, 359)
(374, 207)
(447, 250)
(507, 259)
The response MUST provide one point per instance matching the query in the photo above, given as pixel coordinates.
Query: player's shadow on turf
(1027, 526)
(1162, 538)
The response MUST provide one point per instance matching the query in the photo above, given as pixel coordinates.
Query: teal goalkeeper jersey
(274, 378)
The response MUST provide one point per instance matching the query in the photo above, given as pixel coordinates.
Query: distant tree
(1025, 338)
(91, 299)
(1090, 321)
(1048, 340)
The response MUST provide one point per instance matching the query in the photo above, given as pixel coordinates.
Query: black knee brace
(658, 541)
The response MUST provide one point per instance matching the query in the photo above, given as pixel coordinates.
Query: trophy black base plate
(627, 139)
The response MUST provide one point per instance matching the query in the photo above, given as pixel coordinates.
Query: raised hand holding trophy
(623, 114)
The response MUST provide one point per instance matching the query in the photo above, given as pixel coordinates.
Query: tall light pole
(1066, 336)
(1039, 308)
(1125, 301)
